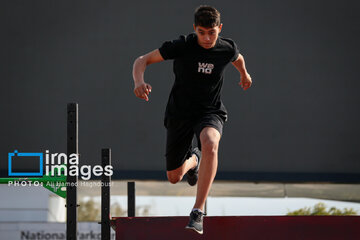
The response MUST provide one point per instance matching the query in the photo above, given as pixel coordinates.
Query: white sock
(197, 161)
(197, 209)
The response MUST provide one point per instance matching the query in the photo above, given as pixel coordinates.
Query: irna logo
(16, 154)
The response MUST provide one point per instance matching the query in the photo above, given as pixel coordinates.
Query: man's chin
(207, 46)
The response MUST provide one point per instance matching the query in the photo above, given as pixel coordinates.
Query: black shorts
(180, 134)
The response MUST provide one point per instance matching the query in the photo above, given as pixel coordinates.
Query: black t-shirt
(198, 76)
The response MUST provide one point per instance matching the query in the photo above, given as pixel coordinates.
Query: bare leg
(176, 175)
(210, 139)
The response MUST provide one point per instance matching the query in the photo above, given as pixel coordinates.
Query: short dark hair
(207, 16)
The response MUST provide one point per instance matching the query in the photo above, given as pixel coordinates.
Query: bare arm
(245, 79)
(141, 88)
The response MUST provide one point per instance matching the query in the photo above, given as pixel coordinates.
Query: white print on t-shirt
(205, 67)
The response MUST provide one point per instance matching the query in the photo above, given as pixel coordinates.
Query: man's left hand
(245, 81)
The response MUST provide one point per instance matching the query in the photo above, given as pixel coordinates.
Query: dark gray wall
(300, 116)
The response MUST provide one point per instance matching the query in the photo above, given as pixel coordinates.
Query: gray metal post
(205, 209)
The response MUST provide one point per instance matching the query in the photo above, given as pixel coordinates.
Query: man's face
(207, 36)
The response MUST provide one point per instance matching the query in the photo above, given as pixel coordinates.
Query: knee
(173, 177)
(209, 146)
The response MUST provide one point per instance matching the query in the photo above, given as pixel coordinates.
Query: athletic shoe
(196, 221)
(192, 174)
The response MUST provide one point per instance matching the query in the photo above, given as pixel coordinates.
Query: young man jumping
(194, 106)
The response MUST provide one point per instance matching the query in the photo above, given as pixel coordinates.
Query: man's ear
(194, 27)
(220, 27)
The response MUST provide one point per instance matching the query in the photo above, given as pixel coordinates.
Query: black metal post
(71, 188)
(131, 199)
(105, 196)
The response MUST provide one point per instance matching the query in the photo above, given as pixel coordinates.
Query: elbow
(138, 60)
(142, 60)
(139, 65)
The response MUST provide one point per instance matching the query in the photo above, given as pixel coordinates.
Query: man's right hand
(142, 91)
